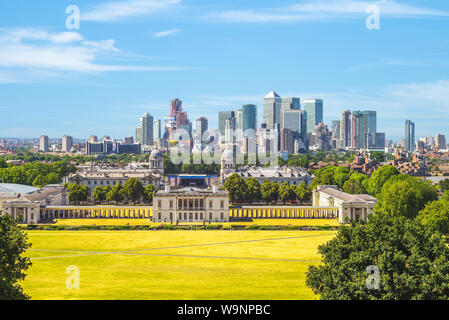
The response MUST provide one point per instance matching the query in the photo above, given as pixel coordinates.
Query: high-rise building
(345, 128)
(288, 104)
(93, 138)
(323, 137)
(364, 126)
(272, 109)
(409, 136)
(222, 117)
(157, 130)
(440, 141)
(249, 117)
(67, 143)
(335, 127)
(144, 133)
(292, 119)
(43, 143)
(201, 127)
(128, 140)
(287, 141)
(175, 107)
(313, 114)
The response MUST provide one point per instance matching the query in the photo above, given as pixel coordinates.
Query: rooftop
(15, 190)
(346, 197)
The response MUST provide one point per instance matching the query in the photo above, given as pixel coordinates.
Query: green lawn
(173, 264)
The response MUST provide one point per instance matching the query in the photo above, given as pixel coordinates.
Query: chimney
(214, 189)
(167, 189)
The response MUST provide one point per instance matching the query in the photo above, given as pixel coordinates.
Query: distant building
(355, 207)
(345, 128)
(190, 205)
(409, 136)
(157, 130)
(440, 141)
(313, 114)
(67, 143)
(93, 138)
(201, 127)
(128, 148)
(294, 176)
(144, 133)
(222, 117)
(43, 143)
(272, 110)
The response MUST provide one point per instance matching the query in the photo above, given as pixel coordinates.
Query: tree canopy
(412, 260)
(13, 265)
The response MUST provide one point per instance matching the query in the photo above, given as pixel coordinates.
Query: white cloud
(27, 55)
(325, 10)
(161, 34)
(116, 10)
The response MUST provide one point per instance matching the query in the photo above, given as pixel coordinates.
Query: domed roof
(156, 154)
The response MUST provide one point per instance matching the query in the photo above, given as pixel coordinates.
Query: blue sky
(132, 56)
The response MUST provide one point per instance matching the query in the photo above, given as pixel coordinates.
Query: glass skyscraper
(272, 109)
(409, 136)
(222, 117)
(249, 117)
(313, 114)
(364, 128)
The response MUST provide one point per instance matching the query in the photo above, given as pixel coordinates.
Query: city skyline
(215, 57)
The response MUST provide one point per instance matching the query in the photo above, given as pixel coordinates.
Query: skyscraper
(222, 117)
(144, 133)
(335, 127)
(249, 117)
(313, 114)
(440, 141)
(272, 109)
(67, 143)
(175, 106)
(409, 136)
(292, 119)
(364, 128)
(288, 104)
(43, 143)
(157, 130)
(345, 128)
(201, 127)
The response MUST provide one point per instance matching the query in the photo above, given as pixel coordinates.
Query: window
(180, 216)
(159, 203)
(159, 215)
(190, 216)
(185, 216)
(201, 216)
(222, 216)
(196, 215)
(222, 204)
(179, 203)
(210, 215)
(210, 203)
(171, 216)
(201, 203)
(171, 204)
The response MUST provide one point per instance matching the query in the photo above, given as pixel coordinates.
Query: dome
(155, 154)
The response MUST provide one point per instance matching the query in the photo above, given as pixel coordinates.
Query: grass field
(173, 264)
(262, 222)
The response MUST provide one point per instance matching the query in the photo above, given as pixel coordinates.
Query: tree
(149, 192)
(99, 194)
(341, 175)
(39, 182)
(436, 216)
(269, 191)
(403, 195)
(52, 178)
(444, 185)
(116, 194)
(379, 178)
(236, 187)
(77, 193)
(286, 192)
(107, 188)
(133, 189)
(412, 260)
(253, 187)
(303, 193)
(355, 183)
(13, 265)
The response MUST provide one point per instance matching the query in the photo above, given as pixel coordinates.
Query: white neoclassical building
(27, 208)
(291, 175)
(353, 206)
(190, 205)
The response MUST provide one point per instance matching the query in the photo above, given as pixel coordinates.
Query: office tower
(380, 140)
(222, 117)
(157, 130)
(239, 119)
(313, 114)
(249, 117)
(440, 141)
(128, 148)
(175, 107)
(43, 143)
(363, 124)
(292, 119)
(345, 128)
(272, 109)
(144, 133)
(288, 104)
(409, 136)
(201, 127)
(67, 143)
(93, 138)
(335, 127)
(287, 141)
(128, 140)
